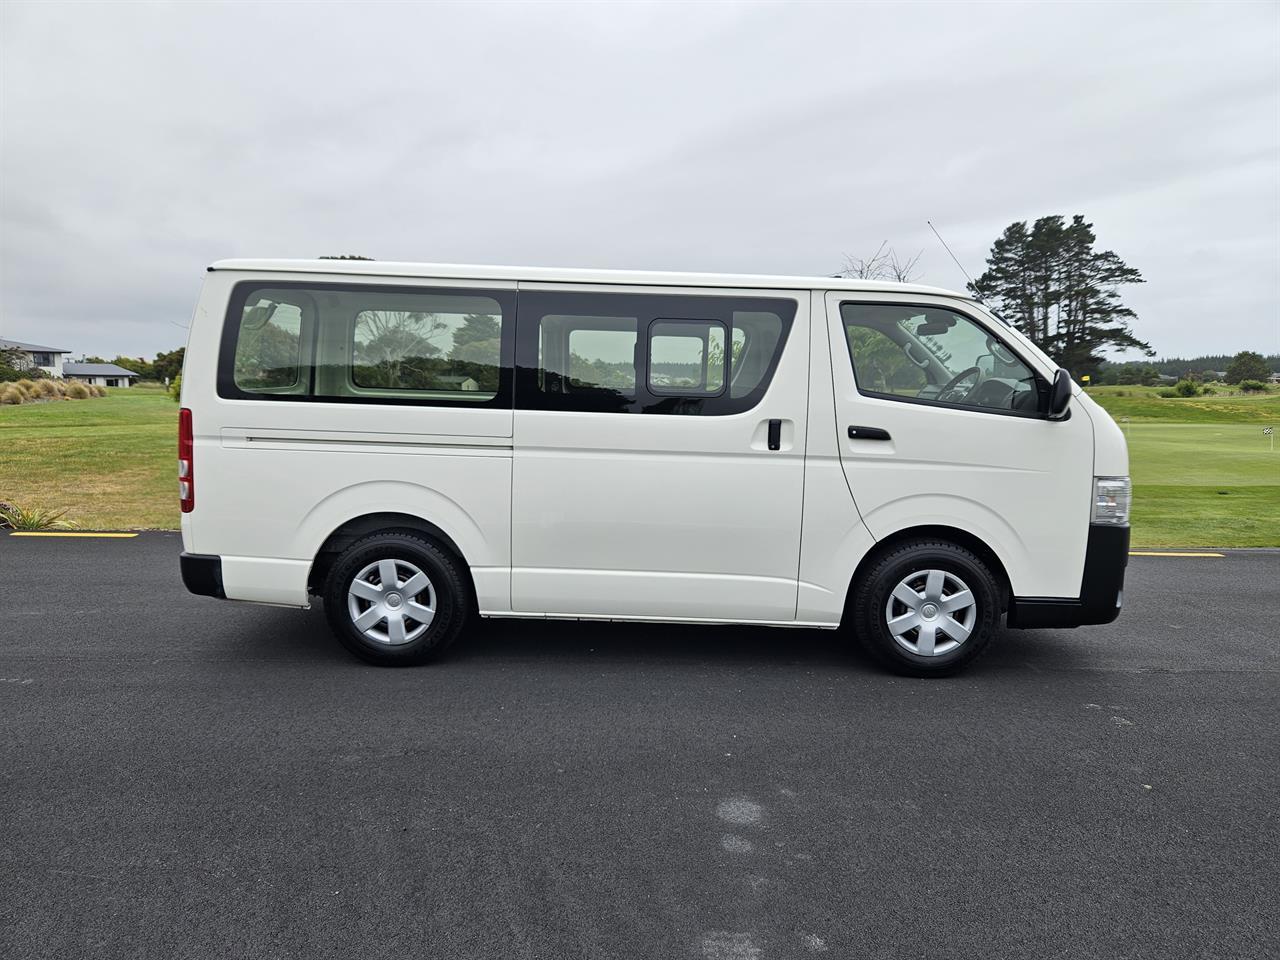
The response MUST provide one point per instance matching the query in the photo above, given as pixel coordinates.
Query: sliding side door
(659, 452)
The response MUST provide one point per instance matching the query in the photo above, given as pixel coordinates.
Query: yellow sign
(1085, 378)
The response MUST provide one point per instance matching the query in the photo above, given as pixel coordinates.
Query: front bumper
(1101, 589)
(202, 574)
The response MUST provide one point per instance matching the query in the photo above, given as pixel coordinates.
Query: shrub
(1209, 391)
(78, 391)
(49, 389)
(26, 385)
(12, 395)
(175, 389)
(98, 391)
(1167, 394)
(13, 517)
(1186, 388)
(13, 375)
(1253, 386)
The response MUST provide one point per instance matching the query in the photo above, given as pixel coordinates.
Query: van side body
(634, 446)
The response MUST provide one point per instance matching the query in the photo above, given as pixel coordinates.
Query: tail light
(186, 462)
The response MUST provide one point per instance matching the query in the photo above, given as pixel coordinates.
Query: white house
(48, 359)
(99, 374)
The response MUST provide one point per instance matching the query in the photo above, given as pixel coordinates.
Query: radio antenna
(948, 249)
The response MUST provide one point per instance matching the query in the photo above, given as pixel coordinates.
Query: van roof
(454, 271)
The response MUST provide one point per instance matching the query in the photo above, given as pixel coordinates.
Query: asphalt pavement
(187, 777)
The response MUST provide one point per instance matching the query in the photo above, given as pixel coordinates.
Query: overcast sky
(142, 141)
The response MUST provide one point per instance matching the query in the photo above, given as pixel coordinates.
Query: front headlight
(1111, 499)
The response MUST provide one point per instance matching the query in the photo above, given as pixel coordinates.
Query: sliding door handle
(868, 433)
(775, 434)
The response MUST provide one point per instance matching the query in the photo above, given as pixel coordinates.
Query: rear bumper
(1101, 590)
(202, 575)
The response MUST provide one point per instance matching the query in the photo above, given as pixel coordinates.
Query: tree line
(165, 365)
(1246, 365)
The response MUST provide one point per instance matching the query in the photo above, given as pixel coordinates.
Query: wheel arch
(386, 522)
(961, 538)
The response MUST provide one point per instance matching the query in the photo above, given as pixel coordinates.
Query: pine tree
(1052, 284)
(1247, 365)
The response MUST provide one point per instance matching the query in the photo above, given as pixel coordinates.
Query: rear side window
(269, 350)
(641, 353)
(371, 344)
(425, 351)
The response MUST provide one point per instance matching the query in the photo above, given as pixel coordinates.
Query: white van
(416, 444)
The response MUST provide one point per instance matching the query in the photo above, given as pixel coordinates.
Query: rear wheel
(926, 608)
(396, 599)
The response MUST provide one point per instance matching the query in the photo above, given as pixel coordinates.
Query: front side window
(935, 355)
(364, 343)
(648, 353)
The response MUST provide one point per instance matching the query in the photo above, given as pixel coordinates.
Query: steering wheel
(952, 386)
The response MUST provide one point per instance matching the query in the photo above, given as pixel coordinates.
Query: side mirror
(1059, 394)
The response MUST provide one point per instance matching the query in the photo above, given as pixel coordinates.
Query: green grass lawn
(1204, 485)
(110, 462)
(1145, 403)
(1203, 475)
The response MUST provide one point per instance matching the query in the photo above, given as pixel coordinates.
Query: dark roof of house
(30, 347)
(95, 370)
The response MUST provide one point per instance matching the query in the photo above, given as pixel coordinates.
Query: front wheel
(396, 599)
(926, 608)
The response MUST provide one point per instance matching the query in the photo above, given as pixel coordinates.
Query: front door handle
(868, 433)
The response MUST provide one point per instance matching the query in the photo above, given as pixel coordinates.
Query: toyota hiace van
(417, 445)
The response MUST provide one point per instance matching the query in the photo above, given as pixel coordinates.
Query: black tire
(901, 562)
(448, 583)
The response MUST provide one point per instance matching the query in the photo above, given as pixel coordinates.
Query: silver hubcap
(391, 602)
(931, 612)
